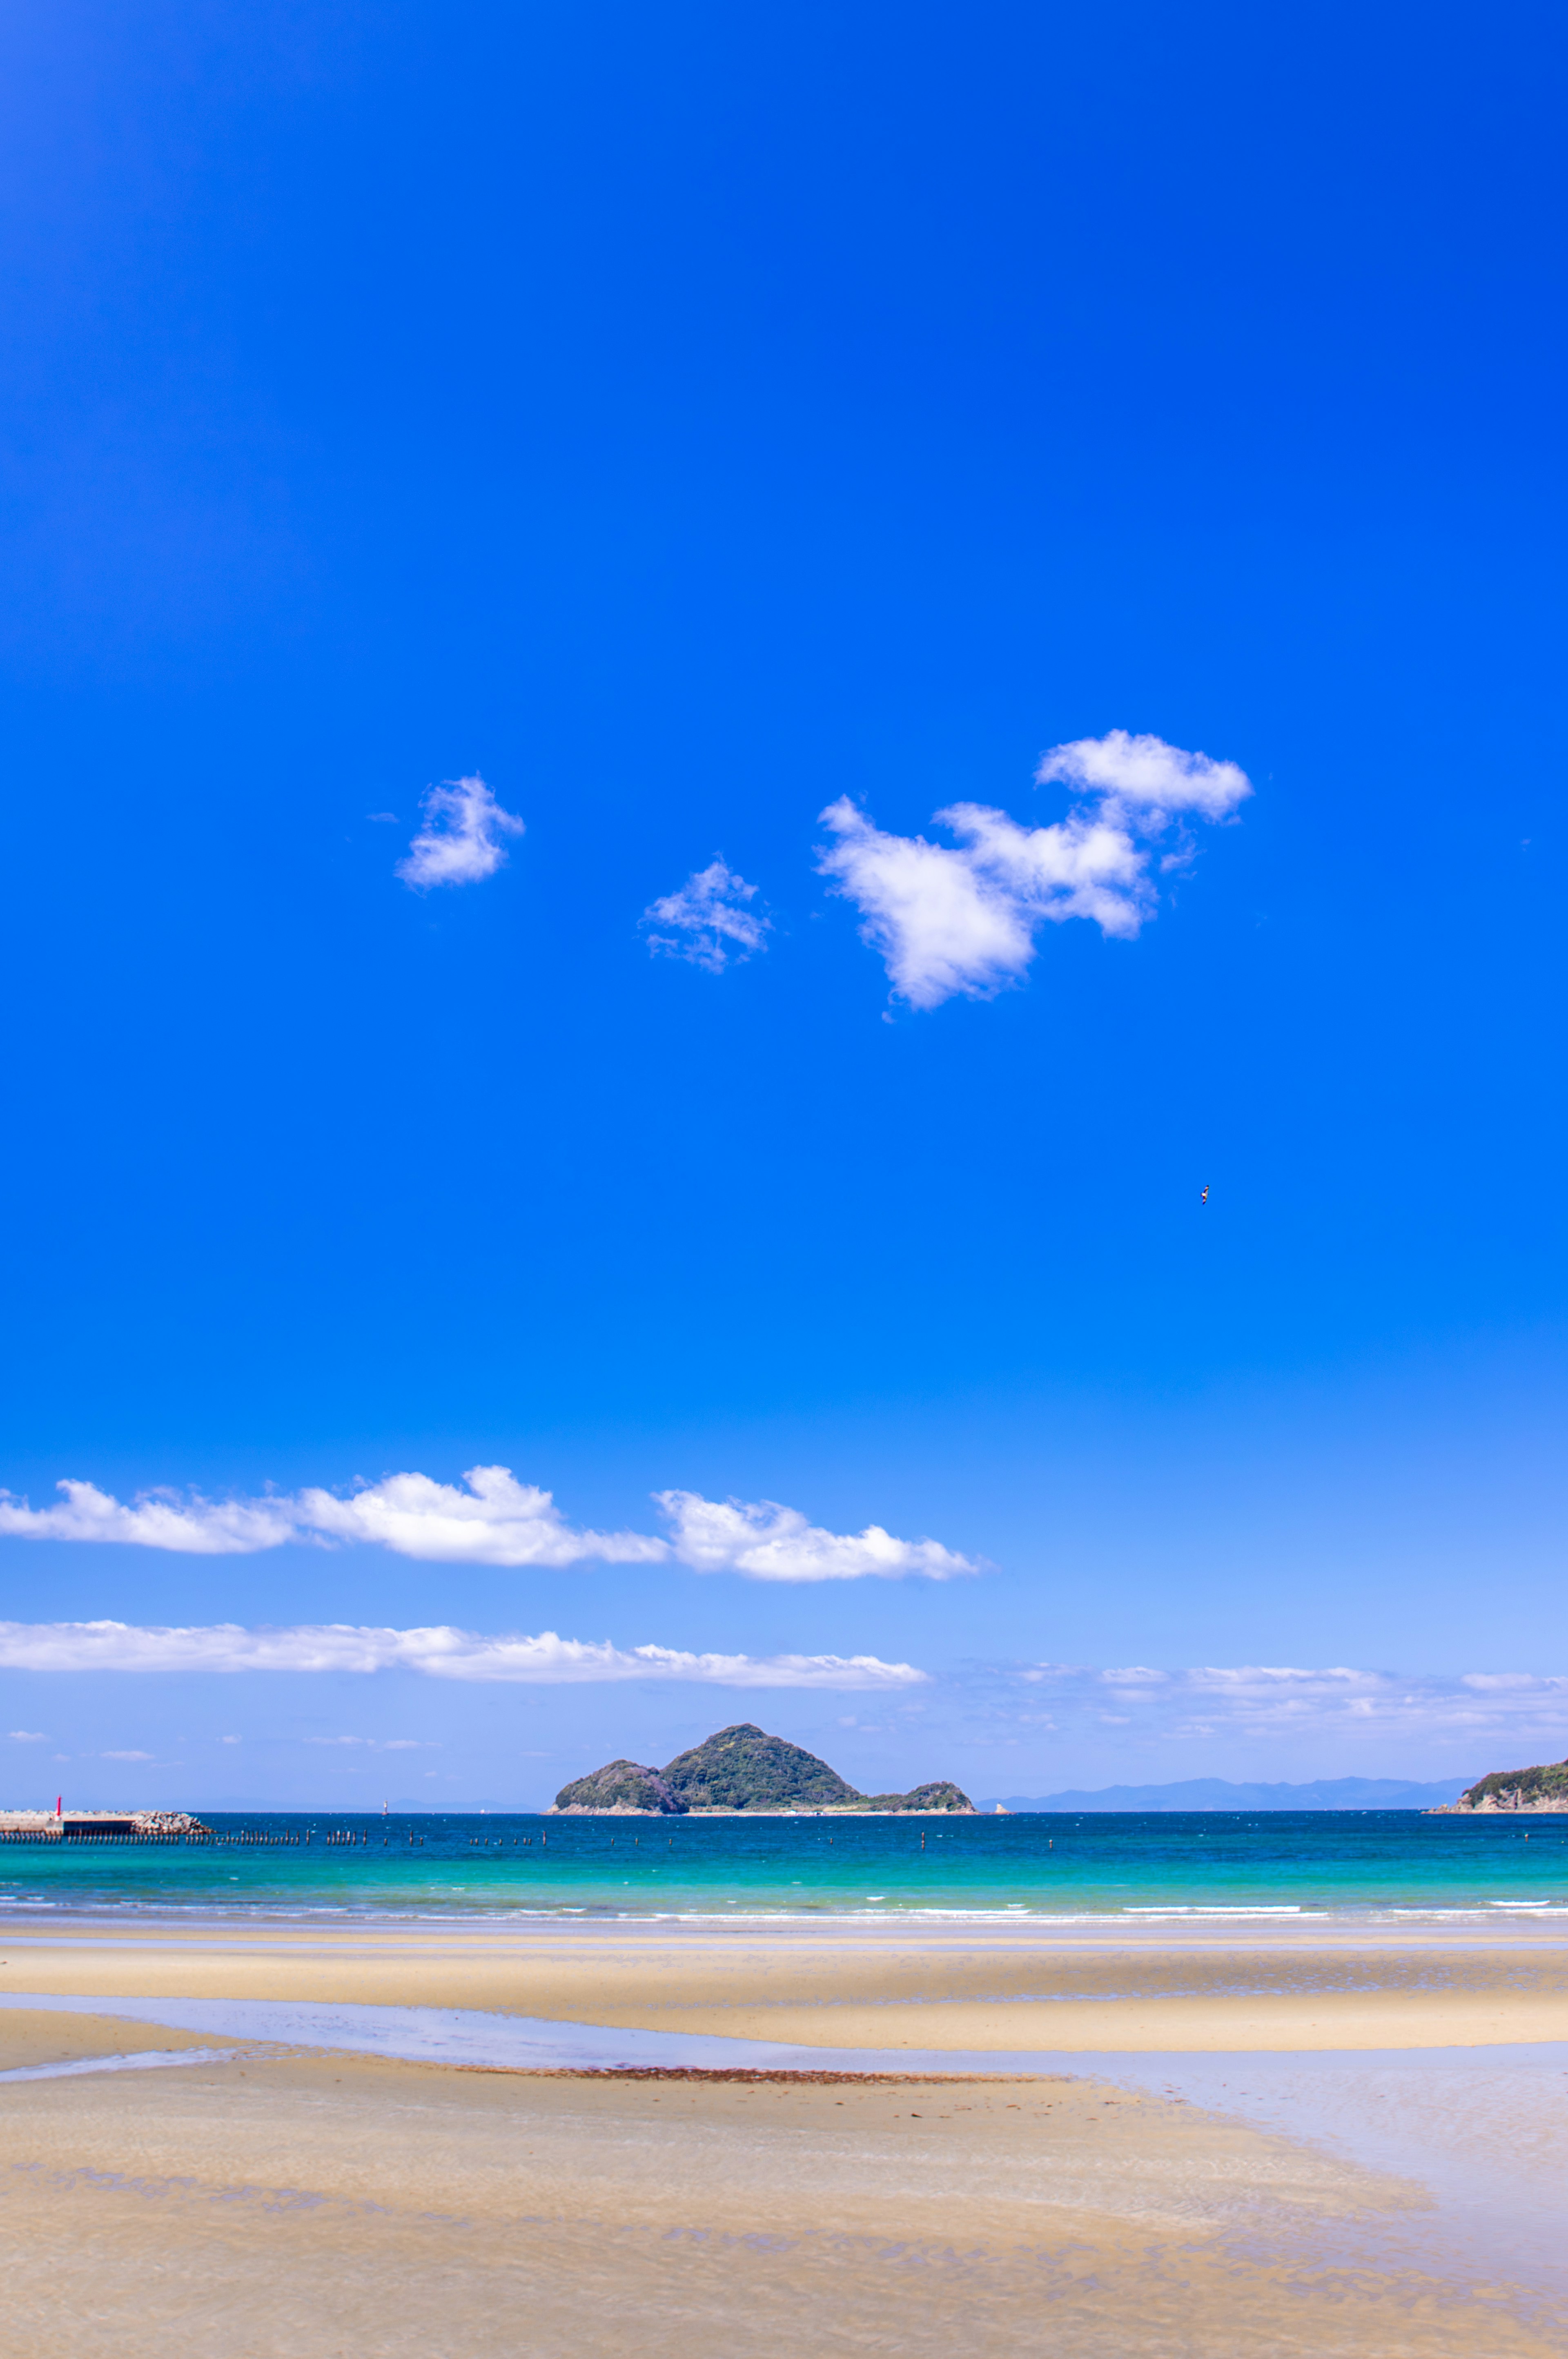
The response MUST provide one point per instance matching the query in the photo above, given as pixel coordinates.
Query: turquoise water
(1104, 1864)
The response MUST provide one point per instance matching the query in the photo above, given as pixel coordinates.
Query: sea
(1127, 1867)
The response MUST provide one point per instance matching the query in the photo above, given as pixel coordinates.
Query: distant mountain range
(1219, 1794)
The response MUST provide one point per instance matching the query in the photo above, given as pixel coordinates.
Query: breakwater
(103, 1826)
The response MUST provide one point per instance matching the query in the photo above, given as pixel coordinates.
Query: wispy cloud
(381, 1744)
(709, 922)
(124, 1756)
(547, 1660)
(27, 1736)
(767, 1542)
(963, 920)
(491, 1519)
(460, 840)
(1276, 1702)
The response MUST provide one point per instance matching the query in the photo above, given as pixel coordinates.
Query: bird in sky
(1204, 1197)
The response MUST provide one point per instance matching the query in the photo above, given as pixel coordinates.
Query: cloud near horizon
(1276, 1703)
(494, 1520)
(963, 920)
(440, 1652)
(1055, 1717)
(709, 922)
(460, 840)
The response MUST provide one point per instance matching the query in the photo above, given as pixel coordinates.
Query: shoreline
(1387, 1920)
(999, 1988)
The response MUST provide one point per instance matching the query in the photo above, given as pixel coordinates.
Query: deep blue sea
(1105, 1864)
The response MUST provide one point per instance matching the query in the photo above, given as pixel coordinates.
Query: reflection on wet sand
(256, 2199)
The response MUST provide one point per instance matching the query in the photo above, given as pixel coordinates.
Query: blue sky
(691, 425)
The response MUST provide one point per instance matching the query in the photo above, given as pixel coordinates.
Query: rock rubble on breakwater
(101, 1826)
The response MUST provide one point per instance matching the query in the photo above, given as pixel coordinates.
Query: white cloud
(710, 920)
(963, 920)
(496, 1520)
(440, 1652)
(29, 1736)
(938, 923)
(124, 1756)
(460, 840)
(190, 1526)
(491, 1519)
(1145, 770)
(767, 1542)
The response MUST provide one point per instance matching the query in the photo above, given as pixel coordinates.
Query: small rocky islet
(740, 1768)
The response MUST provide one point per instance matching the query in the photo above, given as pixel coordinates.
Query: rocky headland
(740, 1768)
(1544, 1788)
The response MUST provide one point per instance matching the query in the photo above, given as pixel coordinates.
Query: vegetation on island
(620, 1786)
(1544, 1788)
(742, 1769)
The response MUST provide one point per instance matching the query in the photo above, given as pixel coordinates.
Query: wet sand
(321, 2206)
(260, 2201)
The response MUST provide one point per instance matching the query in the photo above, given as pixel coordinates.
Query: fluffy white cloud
(767, 1542)
(1146, 771)
(963, 919)
(27, 1736)
(709, 922)
(491, 1519)
(496, 1520)
(460, 840)
(439, 1652)
(162, 1519)
(938, 922)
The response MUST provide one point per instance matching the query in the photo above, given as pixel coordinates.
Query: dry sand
(889, 1989)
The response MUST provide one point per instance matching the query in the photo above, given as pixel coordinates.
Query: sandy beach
(884, 1986)
(234, 2195)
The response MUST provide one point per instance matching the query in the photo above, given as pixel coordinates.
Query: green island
(1544, 1788)
(740, 1768)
